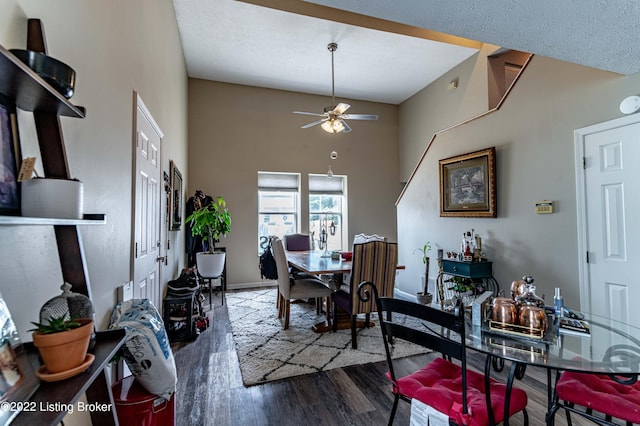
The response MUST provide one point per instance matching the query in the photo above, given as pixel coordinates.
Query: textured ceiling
(598, 33)
(284, 45)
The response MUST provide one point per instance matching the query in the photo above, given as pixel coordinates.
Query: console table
(479, 272)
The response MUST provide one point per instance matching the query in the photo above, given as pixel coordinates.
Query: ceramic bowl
(58, 74)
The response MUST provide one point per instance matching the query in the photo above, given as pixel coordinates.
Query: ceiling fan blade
(310, 113)
(306, 126)
(347, 129)
(359, 116)
(341, 108)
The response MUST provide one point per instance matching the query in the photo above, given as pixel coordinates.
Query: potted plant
(62, 343)
(210, 223)
(424, 296)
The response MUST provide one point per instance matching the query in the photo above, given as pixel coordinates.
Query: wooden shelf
(69, 391)
(22, 87)
(29, 91)
(88, 219)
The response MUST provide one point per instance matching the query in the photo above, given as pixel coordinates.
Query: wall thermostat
(544, 207)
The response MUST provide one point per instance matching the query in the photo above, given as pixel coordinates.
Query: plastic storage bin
(137, 407)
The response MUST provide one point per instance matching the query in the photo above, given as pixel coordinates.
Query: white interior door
(147, 215)
(609, 220)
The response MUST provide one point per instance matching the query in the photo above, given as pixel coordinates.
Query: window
(278, 204)
(327, 211)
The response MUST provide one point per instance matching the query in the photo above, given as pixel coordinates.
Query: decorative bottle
(558, 302)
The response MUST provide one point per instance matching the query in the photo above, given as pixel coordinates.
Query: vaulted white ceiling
(388, 51)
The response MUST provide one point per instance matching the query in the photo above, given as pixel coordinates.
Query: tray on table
(520, 331)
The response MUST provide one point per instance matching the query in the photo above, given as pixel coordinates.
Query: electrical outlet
(544, 207)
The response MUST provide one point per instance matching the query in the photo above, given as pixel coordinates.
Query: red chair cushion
(602, 394)
(439, 385)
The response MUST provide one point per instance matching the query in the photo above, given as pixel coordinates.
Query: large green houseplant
(210, 223)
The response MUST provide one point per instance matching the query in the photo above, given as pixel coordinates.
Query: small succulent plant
(56, 325)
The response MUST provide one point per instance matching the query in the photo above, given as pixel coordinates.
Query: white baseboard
(399, 294)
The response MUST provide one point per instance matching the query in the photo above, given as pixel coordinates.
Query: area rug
(266, 352)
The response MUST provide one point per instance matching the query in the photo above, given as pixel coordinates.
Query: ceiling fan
(333, 117)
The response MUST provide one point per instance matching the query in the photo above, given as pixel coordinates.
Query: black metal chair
(445, 385)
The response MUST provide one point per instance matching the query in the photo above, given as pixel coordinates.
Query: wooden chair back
(375, 262)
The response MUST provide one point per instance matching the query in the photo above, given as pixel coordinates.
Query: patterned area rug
(267, 352)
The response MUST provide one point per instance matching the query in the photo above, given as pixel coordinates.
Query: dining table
(318, 262)
(612, 347)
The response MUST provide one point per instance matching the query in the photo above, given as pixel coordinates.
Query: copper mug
(504, 311)
(533, 317)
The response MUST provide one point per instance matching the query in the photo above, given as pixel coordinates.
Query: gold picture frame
(468, 185)
(175, 221)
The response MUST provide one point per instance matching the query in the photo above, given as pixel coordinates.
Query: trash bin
(137, 407)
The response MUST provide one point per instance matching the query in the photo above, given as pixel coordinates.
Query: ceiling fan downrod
(332, 48)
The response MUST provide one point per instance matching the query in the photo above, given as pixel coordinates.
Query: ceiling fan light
(332, 126)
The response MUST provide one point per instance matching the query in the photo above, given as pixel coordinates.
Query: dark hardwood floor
(210, 389)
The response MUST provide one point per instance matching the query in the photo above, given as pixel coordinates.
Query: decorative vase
(51, 197)
(64, 350)
(210, 264)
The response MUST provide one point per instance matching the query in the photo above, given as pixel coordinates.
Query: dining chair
(365, 238)
(446, 385)
(360, 239)
(374, 261)
(300, 242)
(297, 242)
(601, 397)
(290, 288)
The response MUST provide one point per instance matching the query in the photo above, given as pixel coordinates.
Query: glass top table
(613, 347)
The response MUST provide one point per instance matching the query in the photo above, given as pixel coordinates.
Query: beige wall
(533, 136)
(236, 131)
(115, 47)
(121, 45)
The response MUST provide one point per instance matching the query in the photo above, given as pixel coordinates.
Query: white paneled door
(148, 186)
(609, 218)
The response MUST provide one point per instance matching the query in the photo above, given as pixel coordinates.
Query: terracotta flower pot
(64, 350)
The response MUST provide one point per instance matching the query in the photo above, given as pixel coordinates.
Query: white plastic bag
(146, 349)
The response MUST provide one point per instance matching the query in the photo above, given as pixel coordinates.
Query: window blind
(273, 181)
(321, 184)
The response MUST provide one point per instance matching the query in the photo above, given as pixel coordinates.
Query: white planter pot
(58, 198)
(210, 264)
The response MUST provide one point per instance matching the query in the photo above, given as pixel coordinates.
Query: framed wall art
(9, 160)
(17, 377)
(176, 198)
(468, 185)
